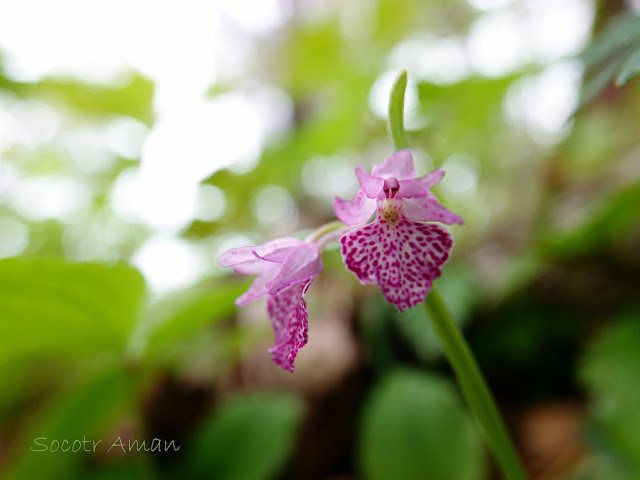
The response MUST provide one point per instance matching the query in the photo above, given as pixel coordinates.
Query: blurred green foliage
(55, 308)
(247, 439)
(403, 425)
(610, 370)
(543, 275)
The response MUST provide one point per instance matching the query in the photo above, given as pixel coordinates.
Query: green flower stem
(473, 386)
(457, 351)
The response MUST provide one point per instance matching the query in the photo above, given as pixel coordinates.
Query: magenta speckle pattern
(288, 313)
(401, 257)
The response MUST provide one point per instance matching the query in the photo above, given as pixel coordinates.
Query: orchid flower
(285, 269)
(401, 251)
(398, 251)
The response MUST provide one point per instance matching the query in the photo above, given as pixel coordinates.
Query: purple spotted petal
(399, 165)
(288, 313)
(236, 256)
(403, 259)
(428, 209)
(370, 185)
(302, 263)
(418, 187)
(356, 212)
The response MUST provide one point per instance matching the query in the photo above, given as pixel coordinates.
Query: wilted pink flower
(285, 269)
(397, 251)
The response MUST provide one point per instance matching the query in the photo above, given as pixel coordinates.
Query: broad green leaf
(610, 370)
(414, 426)
(53, 307)
(630, 68)
(249, 438)
(86, 411)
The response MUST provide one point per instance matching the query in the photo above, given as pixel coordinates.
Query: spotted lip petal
(399, 165)
(356, 212)
(403, 260)
(288, 314)
(428, 209)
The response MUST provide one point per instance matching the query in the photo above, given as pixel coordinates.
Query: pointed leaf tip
(396, 111)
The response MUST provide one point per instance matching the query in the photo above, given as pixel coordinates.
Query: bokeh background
(140, 139)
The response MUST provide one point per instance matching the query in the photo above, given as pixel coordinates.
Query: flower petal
(371, 185)
(288, 314)
(402, 260)
(235, 256)
(399, 165)
(255, 267)
(356, 212)
(418, 187)
(258, 288)
(302, 263)
(428, 209)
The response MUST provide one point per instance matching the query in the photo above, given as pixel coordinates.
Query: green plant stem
(324, 230)
(473, 386)
(396, 111)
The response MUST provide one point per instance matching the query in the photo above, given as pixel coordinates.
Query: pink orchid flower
(285, 269)
(397, 251)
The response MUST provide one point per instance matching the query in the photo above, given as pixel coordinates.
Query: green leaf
(610, 370)
(84, 412)
(249, 438)
(52, 307)
(415, 427)
(629, 69)
(596, 83)
(604, 58)
(621, 32)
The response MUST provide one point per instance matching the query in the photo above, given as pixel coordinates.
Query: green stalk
(472, 384)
